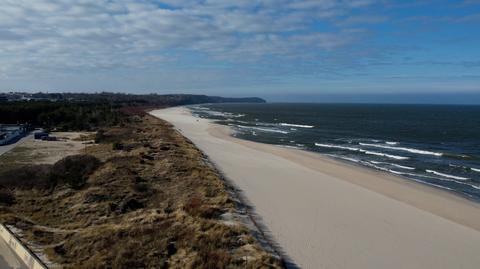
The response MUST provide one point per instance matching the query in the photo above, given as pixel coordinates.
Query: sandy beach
(328, 214)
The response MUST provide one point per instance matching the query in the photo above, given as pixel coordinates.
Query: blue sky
(279, 49)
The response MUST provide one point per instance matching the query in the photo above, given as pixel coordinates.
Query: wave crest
(396, 157)
(295, 125)
(411, 150)
(262, 129)
(446, 175)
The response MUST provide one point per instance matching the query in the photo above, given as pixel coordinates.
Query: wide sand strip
(327, 214)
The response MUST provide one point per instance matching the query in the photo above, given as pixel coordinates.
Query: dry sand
(327, 214)
(33, 151)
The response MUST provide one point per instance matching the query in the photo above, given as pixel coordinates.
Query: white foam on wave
(296, 125)
(215, 113)
(363, 151)
(459, 182)
(232, 115)
(262, 129)
(290, 147)
(424, 176)
(394, 164)
(412, 150)
(372, 164)
(403, 166)
(391, 143)
(415, 175)
(223, 114)
(464, 167)
(394, 171)
(446, 175)
(385, 169)
(259, 123)
(474, 186)
(344, 158)
(384, 155)
(201, 108)
(431, 184)
(336, 146)
(348, 159)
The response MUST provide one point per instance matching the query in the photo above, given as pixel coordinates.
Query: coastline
(327, 213)
(419, 195)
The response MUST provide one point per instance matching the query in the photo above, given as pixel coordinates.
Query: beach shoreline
(380, 181)
(383, 206)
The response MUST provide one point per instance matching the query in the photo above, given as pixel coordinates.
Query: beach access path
(8, 258)
(328, 214)
(6, 148)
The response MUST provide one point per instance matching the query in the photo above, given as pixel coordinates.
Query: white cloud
(39, 35)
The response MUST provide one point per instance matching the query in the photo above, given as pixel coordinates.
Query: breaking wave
(394, 164)
(475, 169)
(411, 150)
(363, 151)
(295, 125)
(262, 129)
(446, 175)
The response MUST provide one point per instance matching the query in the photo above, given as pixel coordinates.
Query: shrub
(117, 146)
(140, 187)
(193, 206)
(74, 170)
(28, 177)
(6, 197)
(212, 258)
(99, 136)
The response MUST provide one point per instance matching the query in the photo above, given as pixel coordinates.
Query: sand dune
(326, 214)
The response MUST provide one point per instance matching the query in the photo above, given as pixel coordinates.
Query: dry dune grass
(152, 203)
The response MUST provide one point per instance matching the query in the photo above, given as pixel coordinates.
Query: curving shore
(328, 214)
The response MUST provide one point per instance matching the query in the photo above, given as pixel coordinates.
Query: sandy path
(325, 214)
(6, 148)
(8, 259)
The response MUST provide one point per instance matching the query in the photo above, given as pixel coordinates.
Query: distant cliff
(186, 99)
(156, 99)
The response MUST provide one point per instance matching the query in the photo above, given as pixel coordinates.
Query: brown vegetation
(151, 203)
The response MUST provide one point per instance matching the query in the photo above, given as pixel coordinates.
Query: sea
(436, 145)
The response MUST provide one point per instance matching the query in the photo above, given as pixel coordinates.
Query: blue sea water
(437, 145)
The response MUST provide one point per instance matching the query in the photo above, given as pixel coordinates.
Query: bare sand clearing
(327, 214)
(33, 151)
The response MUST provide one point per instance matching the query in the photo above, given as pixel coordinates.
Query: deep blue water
(432, 144)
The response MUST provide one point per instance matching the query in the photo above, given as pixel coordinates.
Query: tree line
(61, 115)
